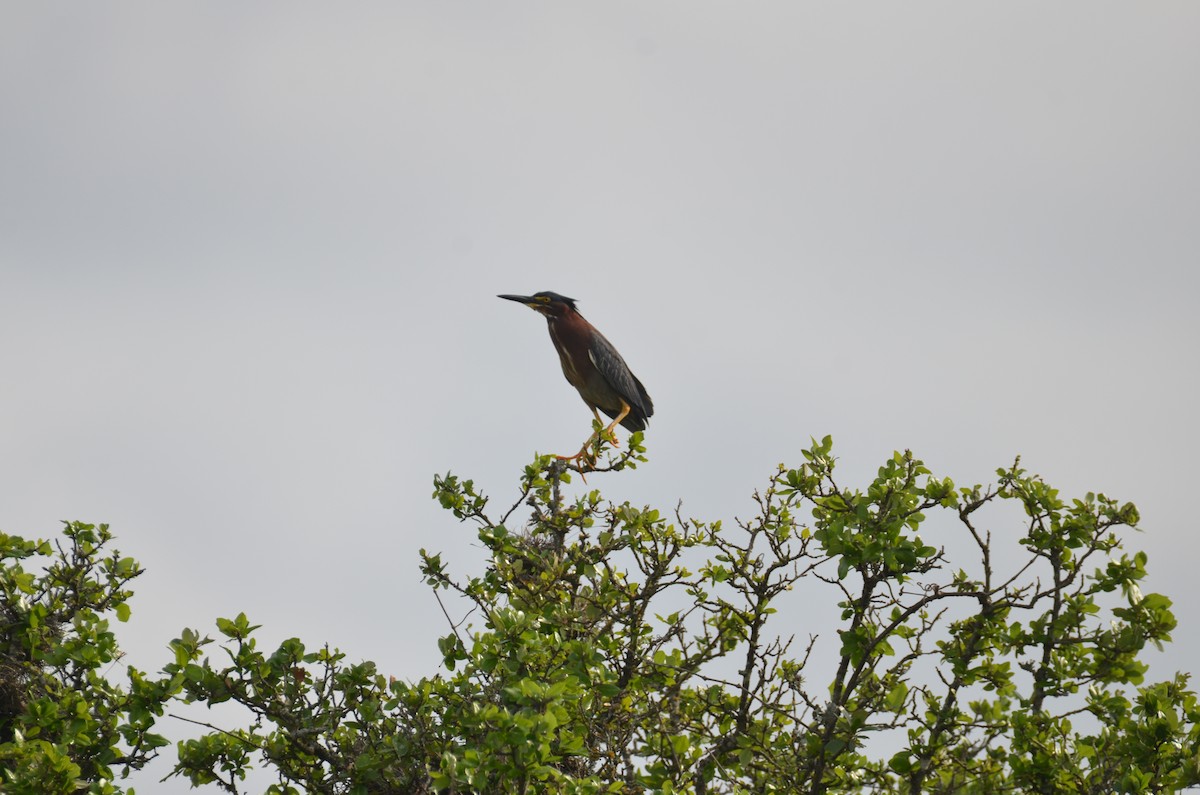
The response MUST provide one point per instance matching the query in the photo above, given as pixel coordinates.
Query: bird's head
(548, 303)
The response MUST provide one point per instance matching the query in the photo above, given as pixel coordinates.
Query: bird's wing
(619, 376)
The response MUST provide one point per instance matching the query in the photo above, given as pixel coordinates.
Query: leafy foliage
(611, 648)
(64, 727)
(616, 649)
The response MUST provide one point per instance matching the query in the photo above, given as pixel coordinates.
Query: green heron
(591, 364)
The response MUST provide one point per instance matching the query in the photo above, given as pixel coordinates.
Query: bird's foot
(586, 453)
(603, 433)
(583, 461)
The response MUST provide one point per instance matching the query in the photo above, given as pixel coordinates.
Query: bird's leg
(583, 451)
(600, 433)
(586, 449)
(586, 454)
(595, 433)
(612, 437)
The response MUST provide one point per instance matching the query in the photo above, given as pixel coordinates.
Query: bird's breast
(564, 357)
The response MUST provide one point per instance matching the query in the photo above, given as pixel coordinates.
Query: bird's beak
(521, 299)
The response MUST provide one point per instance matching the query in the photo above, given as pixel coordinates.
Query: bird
(592, 365)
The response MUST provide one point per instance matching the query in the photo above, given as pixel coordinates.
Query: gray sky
(249, 258)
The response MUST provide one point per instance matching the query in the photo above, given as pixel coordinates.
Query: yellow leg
(607, 432)
(625, 409)
(586, 445)
(585, 450)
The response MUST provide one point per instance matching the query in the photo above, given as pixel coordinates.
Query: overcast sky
(249, 257)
